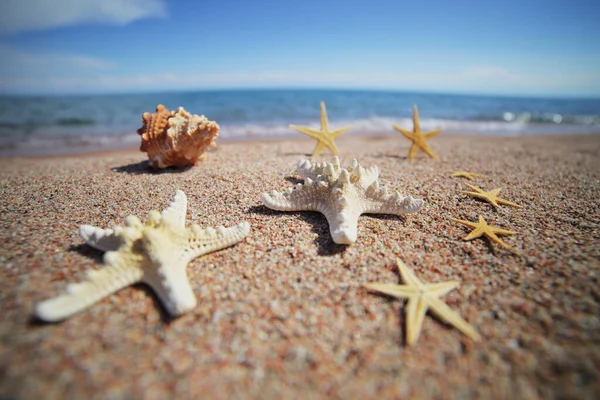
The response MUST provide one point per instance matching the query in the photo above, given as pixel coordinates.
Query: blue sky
(524, 47)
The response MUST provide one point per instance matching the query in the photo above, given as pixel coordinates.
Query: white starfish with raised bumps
(155, 253)
(342, 195)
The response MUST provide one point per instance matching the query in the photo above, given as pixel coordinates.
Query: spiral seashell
(176, 138)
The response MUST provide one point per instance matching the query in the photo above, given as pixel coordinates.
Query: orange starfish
(491, 196)
(464, 174)
(324, 137)
(481, 228)
(418, 138)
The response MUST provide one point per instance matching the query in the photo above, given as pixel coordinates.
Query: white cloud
(19, 64)
(26, 15)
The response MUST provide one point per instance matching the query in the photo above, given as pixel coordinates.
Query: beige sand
(282, 314)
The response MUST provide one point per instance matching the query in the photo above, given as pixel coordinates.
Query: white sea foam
(384, 126)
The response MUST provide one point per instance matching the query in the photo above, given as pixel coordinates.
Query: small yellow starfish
(420, 298)
(481, 228)
(418, 138)
(324, 137)
(491, 196)
(464, 174)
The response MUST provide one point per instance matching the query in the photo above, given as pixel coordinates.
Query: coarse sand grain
(283, 314)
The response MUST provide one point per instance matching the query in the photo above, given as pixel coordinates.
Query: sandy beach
(283, 313)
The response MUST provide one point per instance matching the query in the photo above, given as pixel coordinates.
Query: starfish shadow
(35, 322)
(262, 210)
(386, 217)
(165, 317)
(490, 247)
(402, 339)
(404, 158)
(87, 251)
(297, 154)
(326, 245)
(293, 180)
(142, 167)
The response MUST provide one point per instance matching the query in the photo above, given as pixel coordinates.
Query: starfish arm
(98, 238)
(492, 236)
(431, 134)
(203, 241)
(476, 194)
(485, 197)
(334, 149)
(415, 313)
(508, 203)
(391, 289)
(441, 288)
(407, 275)
(343, 224)
(501, 231)
(474, 188)
(172, 286)
(378, 201)
(407, 134)
(301, 198)
(79, 296)
(339, 132)
(469, 175)
(324, 124)
(413, 151)
(416, 124)
(176, 210)
(319, 147)
(307, 131)
(448, 315)
(463, 222)
(428, 150)
(477, 232)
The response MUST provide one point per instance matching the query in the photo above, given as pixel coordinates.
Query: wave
(384, 125)
(75, 122)
(74, 135)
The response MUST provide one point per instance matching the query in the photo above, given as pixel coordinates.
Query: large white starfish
(342, 195)
(155, 253)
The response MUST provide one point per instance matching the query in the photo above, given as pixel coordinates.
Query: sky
(509, 47)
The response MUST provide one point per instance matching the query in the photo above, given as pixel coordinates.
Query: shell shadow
(142, 167)
(325, 244)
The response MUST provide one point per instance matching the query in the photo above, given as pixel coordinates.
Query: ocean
(50, 125)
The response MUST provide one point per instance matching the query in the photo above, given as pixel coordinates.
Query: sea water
(64, 124)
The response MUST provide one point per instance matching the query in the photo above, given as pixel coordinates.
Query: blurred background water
(65, 124)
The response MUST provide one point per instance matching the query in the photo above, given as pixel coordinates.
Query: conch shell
(176, 138)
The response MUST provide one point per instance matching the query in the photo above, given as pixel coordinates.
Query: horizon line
(301, 88)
